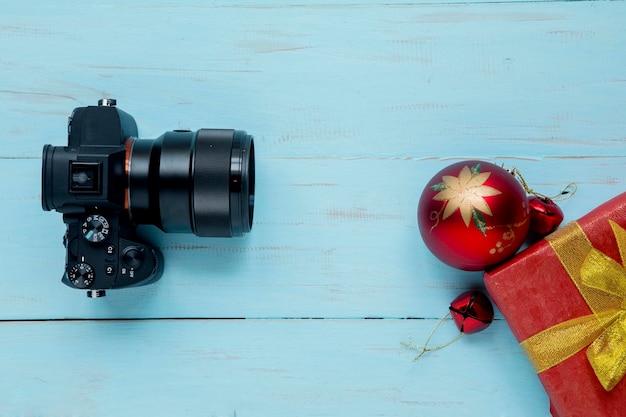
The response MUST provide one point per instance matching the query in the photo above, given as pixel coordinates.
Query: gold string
(424, 349)
(566, 192)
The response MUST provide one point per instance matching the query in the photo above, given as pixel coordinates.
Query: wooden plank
(522, 79)
(259, 368)
(333, 238)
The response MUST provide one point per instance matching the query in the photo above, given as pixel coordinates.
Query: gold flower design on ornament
(465, 193)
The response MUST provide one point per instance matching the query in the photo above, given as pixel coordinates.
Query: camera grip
(103, 253)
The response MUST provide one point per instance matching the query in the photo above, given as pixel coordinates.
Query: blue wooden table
(354, 106)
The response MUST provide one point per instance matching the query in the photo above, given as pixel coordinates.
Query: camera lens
(198, 182)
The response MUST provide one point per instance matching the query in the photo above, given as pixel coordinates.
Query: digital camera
(106, 181)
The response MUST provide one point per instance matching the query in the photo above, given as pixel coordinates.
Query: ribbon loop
(603, 273)
(607, 355)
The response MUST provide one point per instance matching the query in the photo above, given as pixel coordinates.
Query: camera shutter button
(107, 102)
(133, 256)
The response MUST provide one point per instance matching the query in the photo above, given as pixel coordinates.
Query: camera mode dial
(81, 275)
(95, 228)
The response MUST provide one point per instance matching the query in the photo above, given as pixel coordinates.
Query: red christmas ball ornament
(473, 215)
(472, 312)
(545, 215)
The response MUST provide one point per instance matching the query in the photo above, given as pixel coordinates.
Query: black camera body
(107, 181)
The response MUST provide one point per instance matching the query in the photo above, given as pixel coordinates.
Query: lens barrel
(198, 182)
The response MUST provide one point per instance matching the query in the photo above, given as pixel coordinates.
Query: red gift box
(564, 298)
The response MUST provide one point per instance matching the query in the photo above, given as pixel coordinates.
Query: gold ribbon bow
(602, 283)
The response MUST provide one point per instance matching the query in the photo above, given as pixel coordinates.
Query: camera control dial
(95, 228)
(81, 275)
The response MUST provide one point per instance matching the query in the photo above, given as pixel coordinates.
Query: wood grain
(258, 367)
(354, 106)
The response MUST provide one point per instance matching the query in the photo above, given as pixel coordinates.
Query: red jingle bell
(472, 312)
(473, 215)
(545, 215)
